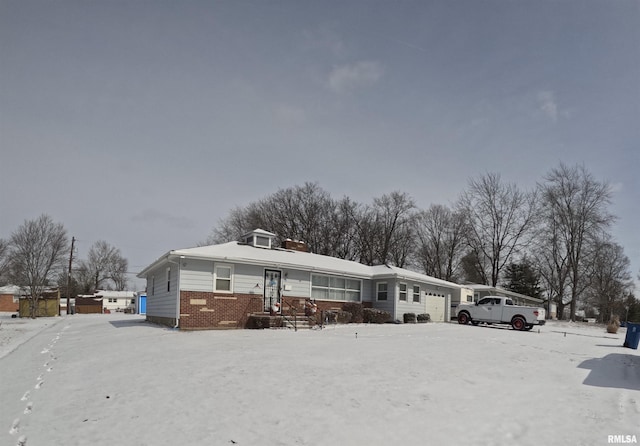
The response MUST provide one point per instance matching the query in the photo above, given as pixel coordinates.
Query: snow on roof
(112, 294)
(242, 253)
(23, 291)
(11, 289)
(479, 287)
(279, 257)
(261, 232)
(382, 270)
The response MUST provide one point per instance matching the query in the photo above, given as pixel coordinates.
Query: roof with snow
(236, 252)
(111, 294)
(494, 289)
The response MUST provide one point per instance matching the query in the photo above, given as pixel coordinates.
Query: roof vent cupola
(259, 238)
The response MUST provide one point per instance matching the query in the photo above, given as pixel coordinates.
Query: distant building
(480, 291)
(10, 298)
(115, 301)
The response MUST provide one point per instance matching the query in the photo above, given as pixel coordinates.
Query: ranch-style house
(221, 286)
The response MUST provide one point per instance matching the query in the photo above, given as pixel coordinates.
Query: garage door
(435, 308)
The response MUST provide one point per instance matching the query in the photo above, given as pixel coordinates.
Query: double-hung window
(402, 288)
(381, 291)
(416, 293)
(223, 278)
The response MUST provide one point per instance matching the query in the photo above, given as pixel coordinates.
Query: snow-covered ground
(117, 380)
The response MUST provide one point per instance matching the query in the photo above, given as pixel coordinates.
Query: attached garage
(435, 307)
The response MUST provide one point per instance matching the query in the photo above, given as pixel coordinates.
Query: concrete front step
(302, 322)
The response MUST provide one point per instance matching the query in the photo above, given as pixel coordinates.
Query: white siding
(385, 305)
(409, 306)
(196, 275)
(160, 302)
(298, 281)
(248, 279)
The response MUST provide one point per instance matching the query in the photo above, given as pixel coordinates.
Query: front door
(271, 288)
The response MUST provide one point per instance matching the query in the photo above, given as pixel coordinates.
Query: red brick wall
(202, 310)
(7, 304)
(208, 310)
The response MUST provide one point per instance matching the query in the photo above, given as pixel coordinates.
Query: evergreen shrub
(409, 318)
(374, 316)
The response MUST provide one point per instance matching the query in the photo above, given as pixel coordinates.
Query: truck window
(485, 301)
(508, 302)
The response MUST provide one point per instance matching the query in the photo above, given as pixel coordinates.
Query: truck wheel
(518, 323)
(463, 318)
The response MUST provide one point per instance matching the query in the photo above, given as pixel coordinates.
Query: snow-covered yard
(117, 380)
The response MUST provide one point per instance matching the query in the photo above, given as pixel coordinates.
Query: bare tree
(578, 204)
(4, 261)
(367, 233)
(37, 253)
(306, 213)
(104, 268)
(385, 230)
(551, 257)
(498, 219)
(231, 228)
(610, 279)
(472, 267)
(440, 234)
(341, 231)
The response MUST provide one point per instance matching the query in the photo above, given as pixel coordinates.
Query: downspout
(177, 325)
(178, 297)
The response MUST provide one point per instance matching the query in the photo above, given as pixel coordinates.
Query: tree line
(37, 257)
(553, 241)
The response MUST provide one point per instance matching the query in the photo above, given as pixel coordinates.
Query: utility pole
(73, 241)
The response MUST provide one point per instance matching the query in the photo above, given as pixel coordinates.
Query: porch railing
(292, 317)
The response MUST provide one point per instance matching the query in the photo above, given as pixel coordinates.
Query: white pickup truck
(500, 310)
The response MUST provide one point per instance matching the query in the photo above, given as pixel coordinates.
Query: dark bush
(424, 317)
(374, 316)
(355, 308)
(409, 318)
(330, 317)
(314, 319)
(343, 317)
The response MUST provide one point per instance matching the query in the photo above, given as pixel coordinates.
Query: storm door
(272, 280)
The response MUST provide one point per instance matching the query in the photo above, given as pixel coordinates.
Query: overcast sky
(143, 123)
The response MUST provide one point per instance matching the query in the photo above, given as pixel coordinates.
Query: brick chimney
(295, 245)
